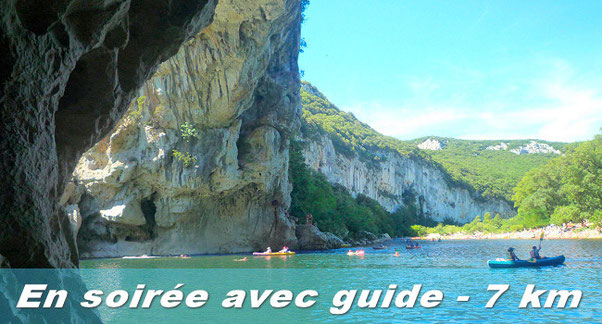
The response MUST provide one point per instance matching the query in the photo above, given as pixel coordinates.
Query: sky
(463, 69)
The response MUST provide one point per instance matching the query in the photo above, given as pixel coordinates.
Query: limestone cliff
(383, 174)
(68, 70)
(199, 164)
(396, 177)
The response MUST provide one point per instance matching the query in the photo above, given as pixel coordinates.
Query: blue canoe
(526, 263)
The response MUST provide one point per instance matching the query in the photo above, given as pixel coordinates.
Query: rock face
(310, 238)
(431, 144)
(200, 162)
(68, 70)
(532, 148)
(499, 147)
(395, 178)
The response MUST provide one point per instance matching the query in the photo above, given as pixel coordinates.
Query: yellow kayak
(273, 253)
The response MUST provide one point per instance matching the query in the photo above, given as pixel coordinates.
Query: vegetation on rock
(333, 207)
(349, 135)
(184, 157)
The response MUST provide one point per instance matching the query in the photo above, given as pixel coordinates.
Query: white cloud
(567, 109)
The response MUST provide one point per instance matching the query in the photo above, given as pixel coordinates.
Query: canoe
(554, 261)
(273, 253)
(379, 247)
(144, 256)
(412, 247)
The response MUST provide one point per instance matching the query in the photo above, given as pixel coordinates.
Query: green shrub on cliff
(184, 157)
(188, 132)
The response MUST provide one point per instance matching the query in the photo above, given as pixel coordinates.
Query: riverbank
(550, 232)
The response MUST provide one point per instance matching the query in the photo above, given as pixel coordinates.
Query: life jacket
(534, 254)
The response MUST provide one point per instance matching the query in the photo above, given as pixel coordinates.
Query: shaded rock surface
(68, 72)
(200, 162)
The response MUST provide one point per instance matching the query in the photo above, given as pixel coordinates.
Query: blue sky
(464, 69)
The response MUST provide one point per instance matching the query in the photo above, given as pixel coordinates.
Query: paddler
(511, 255)
(535, 252)
(268, 250)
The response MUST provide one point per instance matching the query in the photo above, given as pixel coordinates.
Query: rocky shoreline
(550, 232)
(311, 238)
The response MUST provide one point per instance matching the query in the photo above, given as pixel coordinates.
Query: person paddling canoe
(535, 252)
(511, 255)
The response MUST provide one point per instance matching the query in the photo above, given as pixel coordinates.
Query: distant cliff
(355, 156)
(492, 167)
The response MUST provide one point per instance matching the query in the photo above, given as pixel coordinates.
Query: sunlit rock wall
(147, 188)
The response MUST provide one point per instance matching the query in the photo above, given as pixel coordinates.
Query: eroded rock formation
(200, 162)
(68, 71)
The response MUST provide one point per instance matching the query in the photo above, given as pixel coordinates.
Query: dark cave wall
(68, 70)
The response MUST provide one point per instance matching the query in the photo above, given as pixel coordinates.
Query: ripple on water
(454, 267)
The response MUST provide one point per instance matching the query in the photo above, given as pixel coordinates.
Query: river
(453, 267)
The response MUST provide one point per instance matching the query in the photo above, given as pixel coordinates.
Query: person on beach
(511, 255)
(535, 252)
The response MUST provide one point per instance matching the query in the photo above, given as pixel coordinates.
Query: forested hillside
(349, 135)
(566, 189)
(492, 172)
